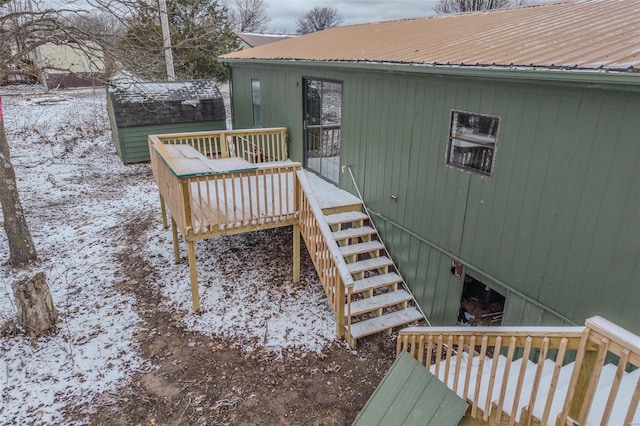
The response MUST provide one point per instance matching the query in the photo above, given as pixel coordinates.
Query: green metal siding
(132, 145)
(410, 395)
(558, 222)
(426, 270)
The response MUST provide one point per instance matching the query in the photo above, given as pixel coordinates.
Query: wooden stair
(502, 405)
(379, 300)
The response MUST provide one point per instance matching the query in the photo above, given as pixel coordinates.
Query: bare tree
(249, 16)
(21, 247)
(318, 19)
(457, 6)
(27, 25)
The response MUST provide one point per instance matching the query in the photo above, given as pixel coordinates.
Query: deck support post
(339, 309)
(193, 273)
(296, 253)
(163, 211)
(176, 246)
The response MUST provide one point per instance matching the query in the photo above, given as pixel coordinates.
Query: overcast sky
(283, 13)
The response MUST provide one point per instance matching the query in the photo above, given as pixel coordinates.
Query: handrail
(373, 225)
(341, 265)
(608, 338)
(458, 356)
(451, 354)
(323, 249)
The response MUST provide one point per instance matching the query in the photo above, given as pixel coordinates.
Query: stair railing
(597, 343)
(435, 348)
(609, 339)
(373, 225)
(323, 250)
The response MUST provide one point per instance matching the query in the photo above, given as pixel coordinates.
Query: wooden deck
(223, 183)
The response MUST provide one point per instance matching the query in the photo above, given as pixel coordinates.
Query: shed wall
(556, 227)
(132, 145)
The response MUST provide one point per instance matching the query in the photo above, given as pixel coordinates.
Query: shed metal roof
(164, 91)
(592, 35)
(410, 395)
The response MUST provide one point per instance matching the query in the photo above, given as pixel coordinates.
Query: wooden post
(163, 211)
(585, 364)
(339, 308)
(193, 273)
(296, 253)
(296, 228)
(176, 247)
(580, 390)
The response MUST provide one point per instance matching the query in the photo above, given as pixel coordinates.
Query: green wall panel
(558, 222)
(133, 141)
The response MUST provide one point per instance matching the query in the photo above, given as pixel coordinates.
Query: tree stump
(36, 312)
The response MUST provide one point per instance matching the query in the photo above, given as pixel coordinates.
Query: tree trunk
(21, 247)
(36, 312)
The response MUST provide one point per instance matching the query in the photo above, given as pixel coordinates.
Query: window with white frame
(472, 141)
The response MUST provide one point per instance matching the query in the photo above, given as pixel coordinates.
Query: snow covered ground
(77, 193)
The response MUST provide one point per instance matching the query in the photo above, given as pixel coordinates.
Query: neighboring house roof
(255, 40)
(573, 34)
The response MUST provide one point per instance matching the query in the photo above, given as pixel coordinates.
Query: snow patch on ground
(77, 193)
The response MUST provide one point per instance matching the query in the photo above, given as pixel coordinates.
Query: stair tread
(561, 390)
(345, 217)
(383, 300)
(365, 247)
(376, 281)
(527, 384)
(621, 405)
(369, 264)
(381, 323)
(607, 376)
(353, 232)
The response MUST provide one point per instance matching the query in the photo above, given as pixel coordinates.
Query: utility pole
(166, 37)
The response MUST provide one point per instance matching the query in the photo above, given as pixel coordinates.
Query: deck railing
(211, 192)
(253, 145)
(332, 269)
(240, 199)
(464, 359)
(324, 139)
(217, 203)
(610, 339)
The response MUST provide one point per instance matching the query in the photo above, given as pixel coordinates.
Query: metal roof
(410, 394)
(573, 34)
(163, 91)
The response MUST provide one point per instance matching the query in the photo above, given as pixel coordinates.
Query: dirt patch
(195, 379)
